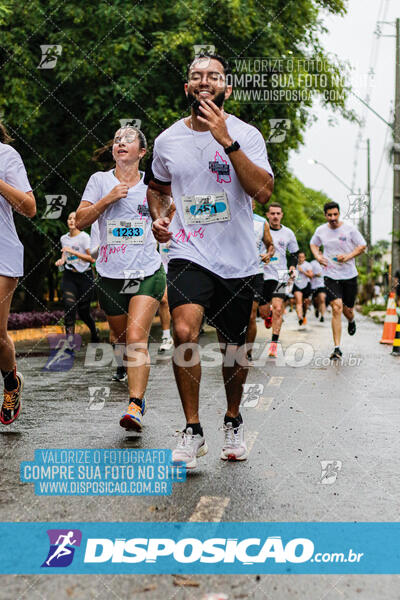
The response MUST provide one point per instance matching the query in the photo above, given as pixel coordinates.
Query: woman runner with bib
(131, 278)
(15, 193)
(78, 282)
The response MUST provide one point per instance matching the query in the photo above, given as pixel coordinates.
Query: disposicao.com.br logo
(191, 550)
(164, 554)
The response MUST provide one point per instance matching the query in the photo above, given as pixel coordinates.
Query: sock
(10, 379)
(166, 333)
(275, 337)
(137, 401)
(236, 421)
(196, 428)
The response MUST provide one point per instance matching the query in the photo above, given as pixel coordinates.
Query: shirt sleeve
(93, 190)
(316, 240)
(292, 245)
(357, 238)
(316, 268)
(255, 149)
(15, 173)
(158, 168)
(86, 241)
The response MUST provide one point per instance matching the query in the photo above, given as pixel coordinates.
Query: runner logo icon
(62, 547)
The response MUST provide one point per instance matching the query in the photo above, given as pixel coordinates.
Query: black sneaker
(351, 327)
(301, 321)
(321, 319)
(336, 354)
(120, 375)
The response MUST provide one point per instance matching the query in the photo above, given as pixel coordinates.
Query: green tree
(127, 60)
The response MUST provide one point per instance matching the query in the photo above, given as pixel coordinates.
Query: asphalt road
(308, 411)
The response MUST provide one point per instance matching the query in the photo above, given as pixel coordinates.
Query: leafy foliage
(127, 60)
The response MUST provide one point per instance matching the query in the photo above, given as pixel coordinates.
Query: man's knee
(337, 307)
(185, 332)
(277, 308)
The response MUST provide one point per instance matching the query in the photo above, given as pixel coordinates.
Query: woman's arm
(22, 202)
(87, 257)
(88, 213)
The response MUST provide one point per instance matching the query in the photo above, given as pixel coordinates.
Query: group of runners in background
(223, 262)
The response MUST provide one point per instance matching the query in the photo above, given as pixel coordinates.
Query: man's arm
(255, 181)
(267, 239)
(162, 209)
(318, 255)
(342, 258)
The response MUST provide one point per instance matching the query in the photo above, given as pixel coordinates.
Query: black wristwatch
(232, 148)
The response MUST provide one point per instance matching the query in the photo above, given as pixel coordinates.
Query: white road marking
(275, 381)
(264, 403)
(210, 509)
(250, 437)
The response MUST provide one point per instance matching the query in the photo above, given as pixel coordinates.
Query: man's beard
(195, 104)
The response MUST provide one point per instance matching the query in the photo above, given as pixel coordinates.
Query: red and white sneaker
(273, 349)
(234, 447)
(268, 322)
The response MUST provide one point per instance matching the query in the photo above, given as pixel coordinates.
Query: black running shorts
(341, 288)
(227, 302)
(306, 291)
(258, 286)
(318, 290)
(273, 289)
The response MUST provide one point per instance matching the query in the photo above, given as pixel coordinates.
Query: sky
(352, 38)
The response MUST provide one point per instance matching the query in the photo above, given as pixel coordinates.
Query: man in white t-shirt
(213, 163)
(341, 243)
(279, 274)
(265, 250)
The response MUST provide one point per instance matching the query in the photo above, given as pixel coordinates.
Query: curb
(37, 333)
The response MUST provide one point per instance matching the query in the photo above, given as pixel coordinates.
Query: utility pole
(396, 161)
(369, 232)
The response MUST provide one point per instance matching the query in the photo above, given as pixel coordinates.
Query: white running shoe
(166, 344)
(189, 448)
(234, 447)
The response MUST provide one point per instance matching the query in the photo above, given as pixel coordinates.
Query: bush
(24, 320)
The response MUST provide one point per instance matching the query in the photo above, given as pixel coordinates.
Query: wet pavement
(308, 411)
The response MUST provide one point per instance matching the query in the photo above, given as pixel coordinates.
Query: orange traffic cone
(396, 341)
(389, 326)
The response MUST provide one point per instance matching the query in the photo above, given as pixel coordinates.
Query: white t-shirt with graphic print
(118, 257)
(335, 242)
(284, 241)
(213, 223)
(302, 280)
(80, 243)
(318, 280)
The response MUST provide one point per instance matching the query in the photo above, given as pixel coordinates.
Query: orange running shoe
(273, 349)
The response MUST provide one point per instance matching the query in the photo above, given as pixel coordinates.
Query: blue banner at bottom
(287, 548)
